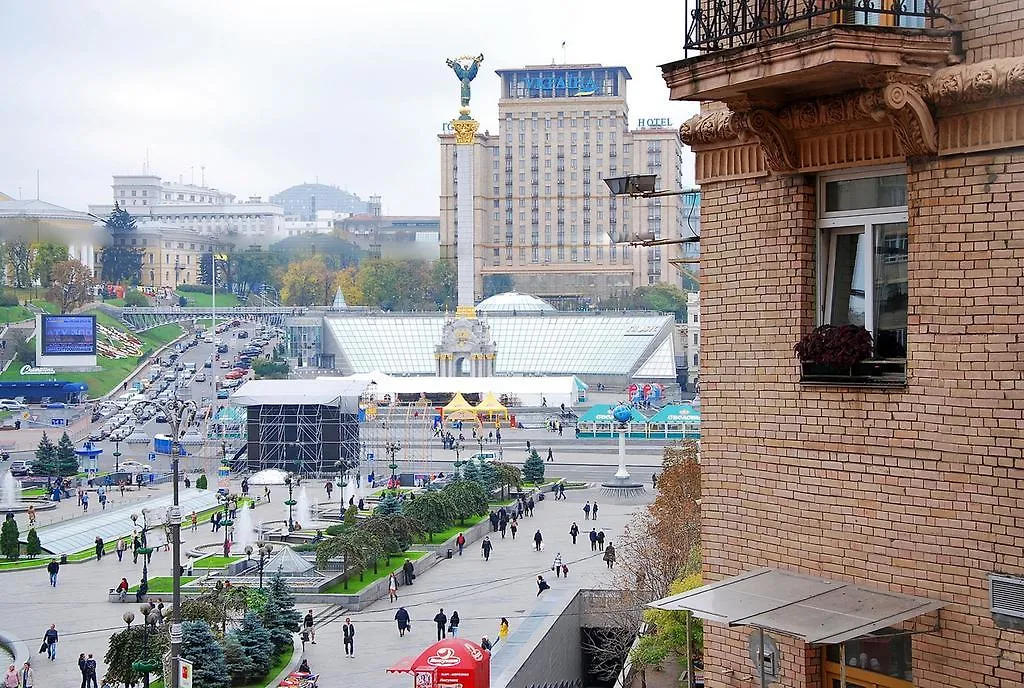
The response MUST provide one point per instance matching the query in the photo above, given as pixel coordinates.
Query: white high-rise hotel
(543, 213)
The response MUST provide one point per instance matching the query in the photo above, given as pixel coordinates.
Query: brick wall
(916, 490)
(992, 28)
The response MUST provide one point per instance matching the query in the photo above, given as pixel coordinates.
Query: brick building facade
(866, 172)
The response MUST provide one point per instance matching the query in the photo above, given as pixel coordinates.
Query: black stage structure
(310, 428)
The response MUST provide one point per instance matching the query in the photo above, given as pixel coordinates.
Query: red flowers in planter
(840, 346)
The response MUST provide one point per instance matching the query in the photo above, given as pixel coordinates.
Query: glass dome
(513, 301)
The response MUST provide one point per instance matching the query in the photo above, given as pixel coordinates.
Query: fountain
(244, 533)
(10, 492)
(303, 511)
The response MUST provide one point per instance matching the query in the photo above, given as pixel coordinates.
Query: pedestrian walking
(31, 515)
(195, 521)
(600, 540)
(485, 644)
(538, 541)
(99, 548)
(551, 456)
(503, 526)
(392, 587)
(486, 546)
(593, 539)
(556, 565)
(574, 531)
(609, 555)
(50, 639)
(307, 625)
(90, 672)
(586, 511)
(441, 620)
(82, 670)
(594, 513)
(513, 528)
(12, 679)
(503, 629)
(53, 568)
(530, 505)
(453, 624)
(409, 571)
(654, 479)
(402, 617)
(28, 676)
(348, 632)
(461, 542)
(329, 487)
(102, 494)
(119, 548)
(561, 490)
(542, 585)
(85, 503)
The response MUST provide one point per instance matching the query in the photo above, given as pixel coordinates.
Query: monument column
(465, 213)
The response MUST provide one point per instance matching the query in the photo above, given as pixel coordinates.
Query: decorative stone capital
(715, 127)
(776, 142)
(465, 130)
(972, 83)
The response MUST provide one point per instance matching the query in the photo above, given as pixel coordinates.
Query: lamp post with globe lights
(181, 413)
(265, 549)
(392, 449)
(622, 485)
(290, 481)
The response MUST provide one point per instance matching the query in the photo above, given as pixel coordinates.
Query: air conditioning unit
(1006, 595)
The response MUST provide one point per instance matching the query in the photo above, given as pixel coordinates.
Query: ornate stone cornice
(776, 142)
(714, 127)
(972, 83)
(903, 106)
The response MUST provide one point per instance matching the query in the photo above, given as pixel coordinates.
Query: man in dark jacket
(348, 632)
(442, 622)
(408, 569)
(53, 568)
(486, 547)
(402, 617)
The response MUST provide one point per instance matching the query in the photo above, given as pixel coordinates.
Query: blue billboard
(68, 335)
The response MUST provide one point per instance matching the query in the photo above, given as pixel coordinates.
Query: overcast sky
(267, 94)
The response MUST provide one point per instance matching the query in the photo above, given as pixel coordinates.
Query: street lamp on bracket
(643, 186)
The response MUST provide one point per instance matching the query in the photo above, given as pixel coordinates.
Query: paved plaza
(482, 592)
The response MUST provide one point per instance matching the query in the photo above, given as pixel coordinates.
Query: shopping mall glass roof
(534, 344)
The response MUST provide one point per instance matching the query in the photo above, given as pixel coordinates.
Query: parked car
(222, 393)
(243, 335)
(208, 363)
(12, 405)
(135, 466)
(200, 377)
(53, 405)
(21, 469)
(225, 364)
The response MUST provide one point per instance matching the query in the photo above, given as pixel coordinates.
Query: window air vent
(1006, 595)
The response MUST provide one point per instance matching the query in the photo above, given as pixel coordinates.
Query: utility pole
(179, 413)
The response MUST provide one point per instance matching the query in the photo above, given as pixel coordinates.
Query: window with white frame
(863, 248)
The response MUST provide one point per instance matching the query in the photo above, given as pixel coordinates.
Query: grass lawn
(214, 561)
(383, 569)
(163, 584)
(455, 530)
(23, 563)
(33, 492)
(47, 306)
(15, 314)
(225, 299)
(114, 370)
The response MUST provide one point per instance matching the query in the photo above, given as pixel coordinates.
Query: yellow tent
(459, 409)
(492, 407)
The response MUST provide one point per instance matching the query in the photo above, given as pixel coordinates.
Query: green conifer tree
(65, 458)
(533, 469)
(388, 505)
(33, 547)
(201, 483)
(200, 646)
(254, 638)
(45, 463)
(279, 614)
(9, 545)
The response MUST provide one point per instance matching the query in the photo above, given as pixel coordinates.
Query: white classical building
(693, 341)
(201, 208)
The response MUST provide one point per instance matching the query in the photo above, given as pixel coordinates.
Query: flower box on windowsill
(889, 372)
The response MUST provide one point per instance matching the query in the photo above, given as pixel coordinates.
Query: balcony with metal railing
(780, 50)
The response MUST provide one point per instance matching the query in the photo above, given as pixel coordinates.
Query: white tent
(324, 392)
(530, 391)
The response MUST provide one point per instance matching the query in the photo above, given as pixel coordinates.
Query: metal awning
(816, 610)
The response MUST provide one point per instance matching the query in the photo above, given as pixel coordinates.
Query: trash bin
(449, 554)
(63, 558)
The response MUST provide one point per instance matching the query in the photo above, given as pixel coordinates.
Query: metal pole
(689, 651)
(178, 412)
(760, 657)
(842, 665)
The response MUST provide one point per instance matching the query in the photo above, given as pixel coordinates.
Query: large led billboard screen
(68, 335)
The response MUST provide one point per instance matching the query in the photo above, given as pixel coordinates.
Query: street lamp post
(392, 448)
(180, 414)
(145, 550)
(265, 550)
(117, 456)
(459, 463)
(150, 618)
(642, 186)
(290, 482)
(226, 522)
